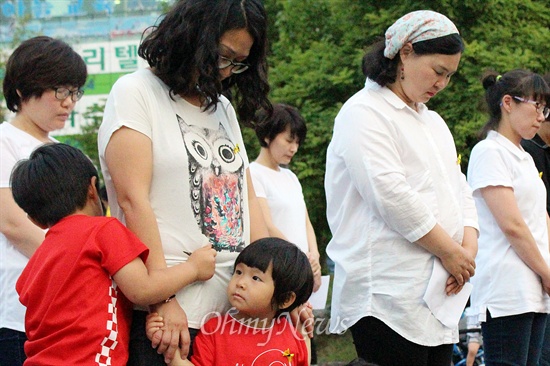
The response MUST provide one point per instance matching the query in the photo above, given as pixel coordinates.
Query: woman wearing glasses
(513, 277)
(173, 158)
(43, 82)
(539, 148)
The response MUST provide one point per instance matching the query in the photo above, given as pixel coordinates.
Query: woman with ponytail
(512, 282)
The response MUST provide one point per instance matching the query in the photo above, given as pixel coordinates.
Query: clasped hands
(461, 266)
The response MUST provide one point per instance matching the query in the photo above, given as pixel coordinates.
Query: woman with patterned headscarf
(398, 205)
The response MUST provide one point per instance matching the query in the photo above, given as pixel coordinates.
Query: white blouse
(503, 283)
(392, 173)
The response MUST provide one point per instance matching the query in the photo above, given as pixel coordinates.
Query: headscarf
(414, 27)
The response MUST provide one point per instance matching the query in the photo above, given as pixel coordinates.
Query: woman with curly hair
(173, 157)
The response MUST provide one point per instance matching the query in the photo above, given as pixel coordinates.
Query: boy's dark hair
(383, 71)
(269, 126)
(520, 83)
(39, 64)
(104, 198)
(103, 193)
(291, 269)
(52, 183)
(183, 49)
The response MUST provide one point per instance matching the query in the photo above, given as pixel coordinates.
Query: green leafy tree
(87, 139)
(315, 65)
(499, 40)
(316, 47)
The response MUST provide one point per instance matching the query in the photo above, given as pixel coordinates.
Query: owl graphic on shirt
(216, 171)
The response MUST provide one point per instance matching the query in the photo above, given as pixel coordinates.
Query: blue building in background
(106, 33)
(77, 20)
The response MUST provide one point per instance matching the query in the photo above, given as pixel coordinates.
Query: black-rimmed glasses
(236, 67)
(63, 93)
(541, 108)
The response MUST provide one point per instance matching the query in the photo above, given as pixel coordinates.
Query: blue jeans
(514, 340)
(11, 347)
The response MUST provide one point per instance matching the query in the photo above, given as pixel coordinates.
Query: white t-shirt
(285, 199)
(392, 173)
(503, 283)
(198, 189)
(15, 145)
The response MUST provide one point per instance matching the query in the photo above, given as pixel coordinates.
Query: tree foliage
(316, 48)
(315, 65)
(87, 140)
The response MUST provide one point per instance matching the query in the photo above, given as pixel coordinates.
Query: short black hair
(39, 64)
(270, 125)
(103, 193)
(52, 183)
(291, 269)
(383, 70)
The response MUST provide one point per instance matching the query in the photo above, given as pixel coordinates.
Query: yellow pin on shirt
(458, 159)
(236, 149)
(288, 355)
(540, 175)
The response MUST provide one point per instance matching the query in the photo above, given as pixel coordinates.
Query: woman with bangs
(511, 286)
(43, 81)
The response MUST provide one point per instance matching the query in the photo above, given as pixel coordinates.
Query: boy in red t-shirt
(79, 285)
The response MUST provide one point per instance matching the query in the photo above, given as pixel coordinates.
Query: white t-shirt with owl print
(198, 188)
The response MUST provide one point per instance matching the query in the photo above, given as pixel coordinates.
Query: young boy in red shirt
(80, 284)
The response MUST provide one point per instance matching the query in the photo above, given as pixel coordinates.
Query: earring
(402, 73)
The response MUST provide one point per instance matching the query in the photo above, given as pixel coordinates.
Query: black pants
(11, 347)
(377, 343)
(141, 352)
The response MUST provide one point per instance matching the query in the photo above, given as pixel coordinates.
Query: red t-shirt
(226, 341)
(75, 313)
